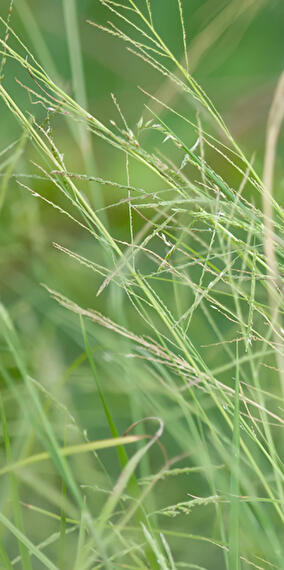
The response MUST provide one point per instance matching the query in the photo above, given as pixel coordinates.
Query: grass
(178, 362)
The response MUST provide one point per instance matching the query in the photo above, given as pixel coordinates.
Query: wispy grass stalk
(198, 267)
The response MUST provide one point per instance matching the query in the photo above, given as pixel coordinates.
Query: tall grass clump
(177, 365)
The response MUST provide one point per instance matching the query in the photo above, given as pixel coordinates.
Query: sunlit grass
(188, 349)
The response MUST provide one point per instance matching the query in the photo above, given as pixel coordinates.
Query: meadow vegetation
(142, 362)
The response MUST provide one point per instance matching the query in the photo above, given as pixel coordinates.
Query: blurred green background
(236, 51)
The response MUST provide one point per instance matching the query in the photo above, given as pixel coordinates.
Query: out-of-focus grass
(182, 341)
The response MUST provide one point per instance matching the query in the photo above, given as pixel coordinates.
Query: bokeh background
(236, 52)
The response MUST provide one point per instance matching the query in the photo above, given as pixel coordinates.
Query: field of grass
(141, 280)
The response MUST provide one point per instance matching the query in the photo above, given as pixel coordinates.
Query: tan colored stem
(275, 118)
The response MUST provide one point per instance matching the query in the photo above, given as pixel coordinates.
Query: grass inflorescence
(178, 362)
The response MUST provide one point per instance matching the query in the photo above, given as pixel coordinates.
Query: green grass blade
(234, 525)
(27, 543)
